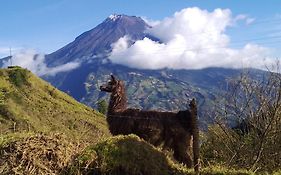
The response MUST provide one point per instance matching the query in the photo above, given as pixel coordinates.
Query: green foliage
(18, 76)
(224, 146)
(102, 106)
(254, 141)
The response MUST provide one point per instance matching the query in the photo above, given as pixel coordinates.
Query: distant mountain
(97, 42)
(164, 89)
(5, 59)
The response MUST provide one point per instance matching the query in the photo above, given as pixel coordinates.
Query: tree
(248, 118)
(102, 106)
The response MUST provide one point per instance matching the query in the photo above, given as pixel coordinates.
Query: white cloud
(36, 63)
(191, 39)
(250, 21)
(242, 17)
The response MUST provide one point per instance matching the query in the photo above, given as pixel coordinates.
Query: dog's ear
(113, 78)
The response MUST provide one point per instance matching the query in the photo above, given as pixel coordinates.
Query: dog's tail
(195, 134)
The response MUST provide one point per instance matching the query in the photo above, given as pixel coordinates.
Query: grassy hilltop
(29, 104)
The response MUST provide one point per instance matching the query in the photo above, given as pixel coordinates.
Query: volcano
(164, 89)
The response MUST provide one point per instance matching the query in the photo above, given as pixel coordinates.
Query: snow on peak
(114, 17)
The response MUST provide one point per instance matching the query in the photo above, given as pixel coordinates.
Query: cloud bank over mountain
(191, 39)
(36, 63)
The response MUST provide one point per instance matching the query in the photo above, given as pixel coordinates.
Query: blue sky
(50, 24)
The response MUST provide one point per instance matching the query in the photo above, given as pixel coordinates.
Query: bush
(247, 134)
(18, 76)
(102, 106)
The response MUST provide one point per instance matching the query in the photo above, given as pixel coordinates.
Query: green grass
(18, 76)
(12, 137)
(29, 104)
(114, 155)
(122, 155)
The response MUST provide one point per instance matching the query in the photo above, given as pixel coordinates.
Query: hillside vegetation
(126, 155)
(31, 105)
(45, 131)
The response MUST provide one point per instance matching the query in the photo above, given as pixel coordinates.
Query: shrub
(247, 134)
(18, 76)
(102, 106)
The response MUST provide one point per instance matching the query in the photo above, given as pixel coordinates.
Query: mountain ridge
(162, 89)
(98, 40)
